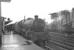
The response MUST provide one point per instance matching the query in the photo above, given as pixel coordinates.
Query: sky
(17, 9)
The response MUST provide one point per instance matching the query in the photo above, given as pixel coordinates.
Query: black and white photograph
(36, 24)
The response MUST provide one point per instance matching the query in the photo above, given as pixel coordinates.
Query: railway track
(60, 41)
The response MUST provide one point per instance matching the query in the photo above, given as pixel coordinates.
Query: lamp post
(2, 21)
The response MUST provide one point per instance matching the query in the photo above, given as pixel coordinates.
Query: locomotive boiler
(31, 29)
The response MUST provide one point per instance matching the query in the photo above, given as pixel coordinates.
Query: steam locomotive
(31, 29)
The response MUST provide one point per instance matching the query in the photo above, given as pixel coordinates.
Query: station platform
(16, 42)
